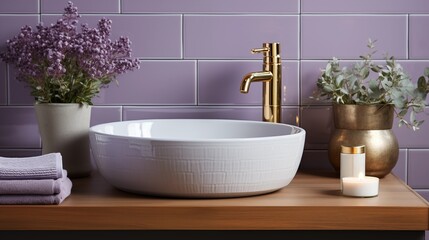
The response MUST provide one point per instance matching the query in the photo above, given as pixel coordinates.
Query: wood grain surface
(311, 202)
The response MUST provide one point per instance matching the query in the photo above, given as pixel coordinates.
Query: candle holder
(352, 161)
(361, 186)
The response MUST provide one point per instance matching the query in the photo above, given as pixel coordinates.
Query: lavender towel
(32, 187)
(48, 166)
(39, 199)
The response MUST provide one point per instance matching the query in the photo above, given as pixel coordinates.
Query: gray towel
(32, 187)
(48, 166)
(39, 199)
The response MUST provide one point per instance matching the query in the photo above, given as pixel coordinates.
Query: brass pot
(369, 125)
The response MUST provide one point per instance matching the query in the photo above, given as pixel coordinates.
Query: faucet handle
(260, 50)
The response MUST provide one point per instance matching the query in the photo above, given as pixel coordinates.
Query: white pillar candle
(352, 161)
(360, 186)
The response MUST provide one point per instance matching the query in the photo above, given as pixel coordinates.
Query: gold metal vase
(369, 125)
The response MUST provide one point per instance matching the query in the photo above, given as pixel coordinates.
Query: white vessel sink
(197, 158)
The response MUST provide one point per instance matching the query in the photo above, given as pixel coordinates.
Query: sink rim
(294, 131)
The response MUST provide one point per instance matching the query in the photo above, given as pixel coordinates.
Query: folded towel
(39, 199)
(48, 166)
(32, 187)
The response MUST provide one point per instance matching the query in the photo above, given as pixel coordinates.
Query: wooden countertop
(311, 202)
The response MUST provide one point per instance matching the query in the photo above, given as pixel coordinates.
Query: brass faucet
(271, 78)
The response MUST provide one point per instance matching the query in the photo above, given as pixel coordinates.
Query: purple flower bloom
(63, 65)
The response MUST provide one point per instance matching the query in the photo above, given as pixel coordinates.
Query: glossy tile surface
(19, 91)
(209, 6)
(20, 152)
(101, 114)
(155, 83)
(18, 128)
(316, 160)
(424, 194)
(84, 6)
(400, 169)
(19, 6)
(241, 113)
(3, 84)
(355, 31)
(364, 6)
(310, 72)
(418, 165)
(419, 46)
(318, 123)
(233, 36)
(407, 138)
(151, 36)
(219, 83)
(10, 26)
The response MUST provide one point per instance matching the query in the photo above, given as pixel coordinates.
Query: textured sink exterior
(197, 158)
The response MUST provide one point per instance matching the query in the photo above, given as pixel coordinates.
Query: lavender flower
(63, 65)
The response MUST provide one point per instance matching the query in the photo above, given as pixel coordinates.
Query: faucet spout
(254, 77)
(271, 78)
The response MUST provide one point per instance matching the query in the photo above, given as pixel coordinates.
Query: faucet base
(272, 113)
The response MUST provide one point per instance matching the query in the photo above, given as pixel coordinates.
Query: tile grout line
(406, 165)
(182, 38)
(407, 38)
(121, 113)
(7, 85)
(197, 92)
(299, 123)
(120, 7)
(39, 6)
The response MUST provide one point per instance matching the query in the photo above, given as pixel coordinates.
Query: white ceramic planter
(64, 128)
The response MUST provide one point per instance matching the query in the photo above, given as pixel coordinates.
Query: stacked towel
(33, 180)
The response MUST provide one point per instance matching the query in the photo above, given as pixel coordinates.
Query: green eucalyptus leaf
(412, 116)
(328, 88)
(344, 90)
(427, 72)
(422, 84)
(339, 80)
(375, 69)
(328, 69)
(403, 112)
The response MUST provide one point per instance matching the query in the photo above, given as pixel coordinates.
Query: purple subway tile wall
(400, 170)
(418, 37)
(3, 83)
(210, 6)
(19, 92)
(418, 165)
(11, 24)
(194, 54)
(85, 6)
(18, 128)
(289, 115)
(318, 122)
(19, 6)
(155, 83)
(320, 36)
(232, 36)
(105, 114)
(152, 36)
(315, 160)
(364, 6)
(20, 152)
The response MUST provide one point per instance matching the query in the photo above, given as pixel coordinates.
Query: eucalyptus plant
(391, 85)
